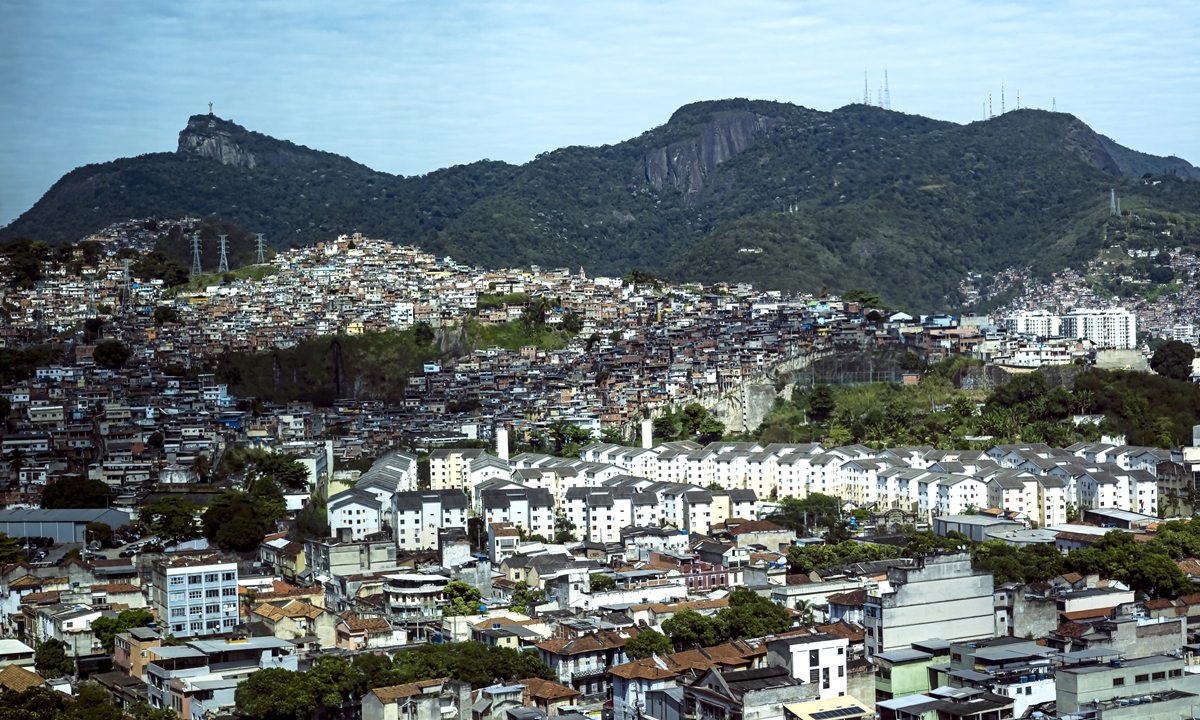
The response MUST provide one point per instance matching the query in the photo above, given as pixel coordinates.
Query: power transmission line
(224, 266)
(196, 254)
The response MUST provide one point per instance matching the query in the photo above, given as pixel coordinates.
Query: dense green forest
(858, 196)
(1148, 409)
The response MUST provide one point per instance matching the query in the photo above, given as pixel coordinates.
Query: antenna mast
(224, 267)
(990, 115)
(1001, 97)
(866, 90)
(259, 245)
(887, 93)
(1053, 104)
(196, 254)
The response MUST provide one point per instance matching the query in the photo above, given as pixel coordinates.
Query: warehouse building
(63, 526)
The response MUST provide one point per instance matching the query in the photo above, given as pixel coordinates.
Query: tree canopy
(1174, 360)
(74, 491)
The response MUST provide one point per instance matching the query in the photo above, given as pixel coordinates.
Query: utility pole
(196, 254)
(224, 267)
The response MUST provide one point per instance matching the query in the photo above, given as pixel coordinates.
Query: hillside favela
(765, 412)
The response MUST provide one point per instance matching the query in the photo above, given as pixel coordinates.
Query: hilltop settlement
(359, 481)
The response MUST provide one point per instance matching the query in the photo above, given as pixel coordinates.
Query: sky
(410, 87)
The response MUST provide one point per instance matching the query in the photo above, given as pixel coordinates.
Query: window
(228, 592)
(178, 596)
(210, 609)
(841, 671)
(178, 612)
(1159, 676)
(177, 580)
(210, 577)
(814, 675)
(814, 657)
(229, 576)
(1118, 682)
(841, 651)
(1141, 678)
(194, 594)
(1176, 673)
(196, 610)
(197, 626)
(212, 593)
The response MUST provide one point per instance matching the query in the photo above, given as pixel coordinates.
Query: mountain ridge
(904, 203)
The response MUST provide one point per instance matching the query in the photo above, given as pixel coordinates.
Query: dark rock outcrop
(685, 165)
(229, 144)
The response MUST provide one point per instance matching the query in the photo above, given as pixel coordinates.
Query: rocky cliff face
(226, 142)
(1083, 140)
(686, 165)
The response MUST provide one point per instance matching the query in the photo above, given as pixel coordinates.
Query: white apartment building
(357, 510)
(818, 659)
(195, 596)
(1035, 323)
(531, 509)
(1110, 328)
(419, 515)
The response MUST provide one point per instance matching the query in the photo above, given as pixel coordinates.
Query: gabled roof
(18, 679)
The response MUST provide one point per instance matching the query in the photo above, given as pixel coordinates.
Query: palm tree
(807, 616)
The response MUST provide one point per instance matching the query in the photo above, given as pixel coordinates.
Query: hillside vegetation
(771, 193)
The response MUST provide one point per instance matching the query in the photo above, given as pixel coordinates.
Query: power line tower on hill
(196, 254)
(1112, 203)
(259, 246)
(224, 266)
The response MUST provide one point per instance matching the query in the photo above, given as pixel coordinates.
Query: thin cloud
(414, 86)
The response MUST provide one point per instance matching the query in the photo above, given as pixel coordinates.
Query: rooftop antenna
(196, 254)
(1112, 203)
(887, 93)
(224, 267)
(866, 90)
(259, 245)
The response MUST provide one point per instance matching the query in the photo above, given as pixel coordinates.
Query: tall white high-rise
(1111, 328)
(1036, 323)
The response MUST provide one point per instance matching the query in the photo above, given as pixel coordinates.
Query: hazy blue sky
(409, 87)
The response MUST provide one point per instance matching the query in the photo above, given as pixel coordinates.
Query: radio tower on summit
(196, 254)
(224, 267)
(887, 94)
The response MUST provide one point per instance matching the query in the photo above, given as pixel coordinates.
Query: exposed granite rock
(227, 142)
(686, 165)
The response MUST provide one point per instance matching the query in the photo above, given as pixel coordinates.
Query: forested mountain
(771, 193)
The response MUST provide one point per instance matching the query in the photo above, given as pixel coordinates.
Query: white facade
(1112, 328)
